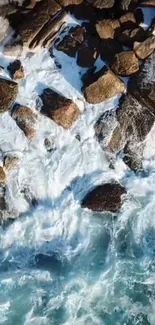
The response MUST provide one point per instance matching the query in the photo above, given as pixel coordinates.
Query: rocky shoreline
(110, 30)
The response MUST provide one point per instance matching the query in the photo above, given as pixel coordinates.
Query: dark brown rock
(125, 63)
(2, 176)
(102, 4)
(109, 48)
(16, 70)
(144, 49)
(26, 119)
(106, 197)
(8, 93)
(128, 36)
(102, 86)
(139, 16)
(132, 159)
(86, 56)
(71, 42)
(60, 109)
(83, 11)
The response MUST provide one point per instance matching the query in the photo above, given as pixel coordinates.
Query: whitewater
(59, 263)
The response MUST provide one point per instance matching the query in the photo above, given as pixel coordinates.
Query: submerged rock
(60, 109)
(26, 119)
(102, 86)
(8, 93)
(106, 197)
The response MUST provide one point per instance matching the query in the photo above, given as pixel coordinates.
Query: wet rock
(86, 56)
(109, 48)
(12, 50)
(60, 109)
(10, 162)
(144, 49)
(135, 119)
(48, 145)
(102, 4)
(16, 70)
(106, 197)
(131, 35)
(142, 86)
(26, 119)
(3, 205)
(117, 140)
(125, 63)
(5, 28)
(36, 19)
(8, 93)
(66, 3)
(105, 29)
(102, 86)
(71, 42)
(132, 159)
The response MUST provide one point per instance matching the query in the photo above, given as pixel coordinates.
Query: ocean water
(59, 263)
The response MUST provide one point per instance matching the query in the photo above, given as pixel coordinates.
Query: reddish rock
(106, 197)
(102, 86)
(26, 119)
(16, 70)
(144, 49)
(60, 109)
(125, 63)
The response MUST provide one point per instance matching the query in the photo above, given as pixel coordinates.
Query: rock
(147, 3)
(117, 140)
(144, 49)
(102, 86)
(13, 50)
(102, 4)
(106, 197)
(36, 19)
(109, 48)
(129, 36)
(5, 28)
(105, 30)
(60, 109)
(2, 176)
(10, 162)
(135, 119)
(83, 11)
(129, 17)
(65, 3)
(125, 63)
(139, 16)
(132, 159)
(16, 70)
(127, 5)
(8, 93)
(26, 119)
(86, 56)
(72, 41)
(142, 86)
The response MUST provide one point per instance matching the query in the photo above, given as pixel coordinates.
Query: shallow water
(60, 264)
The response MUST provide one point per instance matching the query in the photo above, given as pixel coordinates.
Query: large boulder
(142, 86)
(105, 29)
(106, 197)
(26, 119)
(8, 93)
(60, 109)
(125, 63)
(101, 86)
(36, 19)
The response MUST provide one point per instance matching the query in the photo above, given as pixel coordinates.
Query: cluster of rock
(108, 27)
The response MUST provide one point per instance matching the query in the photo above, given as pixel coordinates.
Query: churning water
(59, 263)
